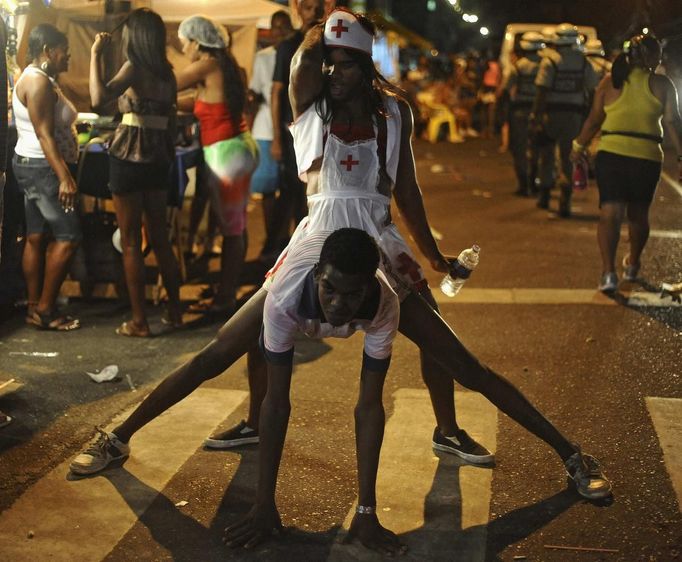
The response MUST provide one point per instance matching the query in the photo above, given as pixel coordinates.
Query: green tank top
(633, 122)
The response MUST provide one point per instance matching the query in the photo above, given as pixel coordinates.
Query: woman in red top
(230, 153)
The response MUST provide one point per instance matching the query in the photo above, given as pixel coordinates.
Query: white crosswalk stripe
(666, 414)
(439, 505)
(63, 515)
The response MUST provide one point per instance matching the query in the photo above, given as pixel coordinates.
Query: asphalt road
(606, 371)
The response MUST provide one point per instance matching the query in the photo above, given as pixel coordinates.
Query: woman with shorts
(141, 154)
(628, 107)
(45, 157)
(230, 153)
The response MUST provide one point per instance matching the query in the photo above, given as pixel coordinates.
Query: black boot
(565, 201)
(543, 198)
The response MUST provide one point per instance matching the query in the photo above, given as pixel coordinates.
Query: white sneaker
(104, 450)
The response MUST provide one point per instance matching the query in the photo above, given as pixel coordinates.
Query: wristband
(366, 509)
(577, 147)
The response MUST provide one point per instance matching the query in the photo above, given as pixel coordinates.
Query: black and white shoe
(241, 434)
(463, 446)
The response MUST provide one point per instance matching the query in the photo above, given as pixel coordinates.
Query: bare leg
(233, 340)
(155, 221)
(608, 233)
(129, 216)
(638, 221)
(258, 384)
(428, 330)
(231, 261)
(33, 265)
(59, 254)
(440, 385)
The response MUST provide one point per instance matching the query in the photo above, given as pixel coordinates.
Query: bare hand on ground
(257, 526)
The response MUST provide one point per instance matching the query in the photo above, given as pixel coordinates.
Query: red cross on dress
(409, 267)
(339, 28)
(349, 163)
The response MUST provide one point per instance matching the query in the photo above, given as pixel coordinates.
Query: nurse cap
(343, 29)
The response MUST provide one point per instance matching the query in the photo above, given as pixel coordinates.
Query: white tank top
(348, 193)
(65, 115)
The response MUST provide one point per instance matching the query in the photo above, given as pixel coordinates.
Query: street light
(484, 31)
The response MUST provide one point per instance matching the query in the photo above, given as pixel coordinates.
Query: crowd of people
(551, 108)
(346, 267)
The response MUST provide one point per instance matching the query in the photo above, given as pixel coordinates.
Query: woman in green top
(628, 107)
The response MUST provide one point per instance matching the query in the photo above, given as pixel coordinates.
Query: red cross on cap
(349, 163)
(339, 28)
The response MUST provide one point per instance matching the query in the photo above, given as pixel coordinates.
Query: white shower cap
(205, 31)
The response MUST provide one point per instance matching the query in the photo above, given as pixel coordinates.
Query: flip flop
(54, 321)
(129, 329)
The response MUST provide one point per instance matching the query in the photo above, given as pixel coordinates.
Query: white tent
(229, 12)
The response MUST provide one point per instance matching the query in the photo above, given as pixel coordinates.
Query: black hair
(374, 85)
(234, 83)
(639, 48)
(352, 251)
(44, 35)
(146, 47)
(281, 15)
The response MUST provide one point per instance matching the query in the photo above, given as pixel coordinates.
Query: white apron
(348, 197)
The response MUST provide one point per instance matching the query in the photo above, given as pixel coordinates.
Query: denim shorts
(44, 212)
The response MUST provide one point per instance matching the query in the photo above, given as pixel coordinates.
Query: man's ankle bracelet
(366, 509)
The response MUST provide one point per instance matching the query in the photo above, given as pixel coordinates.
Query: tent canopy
(228, 12)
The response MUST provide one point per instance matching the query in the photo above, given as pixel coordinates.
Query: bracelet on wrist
(366, 509)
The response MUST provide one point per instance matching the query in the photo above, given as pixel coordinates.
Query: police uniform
(567, 76)
(520, 83)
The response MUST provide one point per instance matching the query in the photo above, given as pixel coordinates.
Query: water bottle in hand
(580, 172)
(461, 269)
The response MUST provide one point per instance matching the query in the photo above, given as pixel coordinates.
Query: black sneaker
(463, 446)
(587, 477)
(241, 434)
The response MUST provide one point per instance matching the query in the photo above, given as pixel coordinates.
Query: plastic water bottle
(580, 174)
(461, 269)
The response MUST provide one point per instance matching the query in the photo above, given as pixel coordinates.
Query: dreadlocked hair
(352, 251)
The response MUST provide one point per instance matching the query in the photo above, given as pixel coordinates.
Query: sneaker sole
(229, 444)
(87, 471)
(474, 459)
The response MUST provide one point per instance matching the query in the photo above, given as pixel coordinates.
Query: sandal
(54, 321)
(129, 329)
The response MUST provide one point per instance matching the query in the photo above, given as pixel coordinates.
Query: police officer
(520, 85)
(594, 51)
(563, 81)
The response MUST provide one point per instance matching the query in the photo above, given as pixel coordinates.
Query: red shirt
(216, 122)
